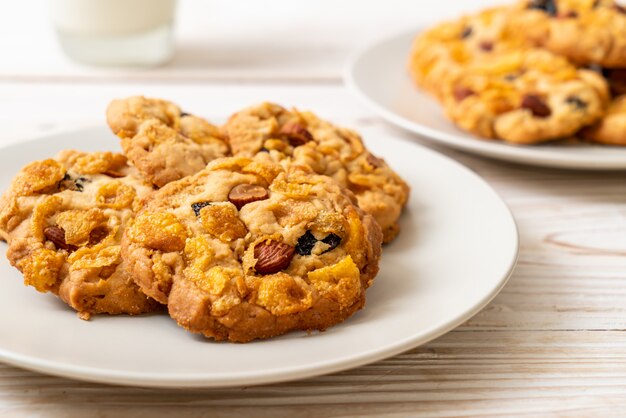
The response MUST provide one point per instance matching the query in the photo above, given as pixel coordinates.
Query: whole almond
(242, 194)
(296, 133)
(462, 93)
(56, 235)
(272, 256)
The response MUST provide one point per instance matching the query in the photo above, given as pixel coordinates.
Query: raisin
(548, 6)
(576, 102)
(68, 183)
(197, 207)
(486, 46)
(97, 235)
(183, 114)
(462, 93)
(333, 240)
(306, 243)
(536, 105)
(80, 182)
(467, 32)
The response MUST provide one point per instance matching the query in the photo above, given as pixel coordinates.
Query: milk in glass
(115, 32)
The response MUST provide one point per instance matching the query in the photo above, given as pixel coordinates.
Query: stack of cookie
(536, 71)
(271, 223)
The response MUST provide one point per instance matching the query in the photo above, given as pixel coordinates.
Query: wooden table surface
(552, 343)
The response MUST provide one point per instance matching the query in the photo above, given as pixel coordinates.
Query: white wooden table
(552, 343)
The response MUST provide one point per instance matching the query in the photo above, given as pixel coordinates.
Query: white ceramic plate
(456, 250)
(378, 74)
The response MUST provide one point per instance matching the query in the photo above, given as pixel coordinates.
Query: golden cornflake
(101, 255)
(115, 195)
(282, 294)
(41, 269)
(222, 221)
(78, 224)
(339, 282)
(100, 162)
(38, 176)
(158, 230)
(44, 210)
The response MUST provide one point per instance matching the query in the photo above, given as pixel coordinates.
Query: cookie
(164, 143)
(445, 50)
(247, 249)
(492, 84)
(525, 96)
(584, 31)
(611, 130)
(274, 133)
(63, 219)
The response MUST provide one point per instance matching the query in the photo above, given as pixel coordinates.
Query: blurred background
(225, 54)
(222, 38)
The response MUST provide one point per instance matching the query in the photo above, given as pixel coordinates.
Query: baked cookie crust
(63, 219)
(492, 84)
(584, 31)
(247, 249)
(611, 130)
(271, 132)
(164, 143)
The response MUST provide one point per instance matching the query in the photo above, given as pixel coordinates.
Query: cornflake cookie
(584, 31)
(273, 133)
(525, 97)
(493, 85)
(444, 51)
(246, 249)
(611, 130)
(164, 143)
(63, 219)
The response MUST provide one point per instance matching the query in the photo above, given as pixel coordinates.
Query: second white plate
(457, 247)
(378, 74)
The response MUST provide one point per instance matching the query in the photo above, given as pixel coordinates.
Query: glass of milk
(115, 32)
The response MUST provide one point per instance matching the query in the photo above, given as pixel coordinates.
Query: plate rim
(481, 147)
(224, 380)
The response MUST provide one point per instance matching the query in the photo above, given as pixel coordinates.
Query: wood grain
(461, 374)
